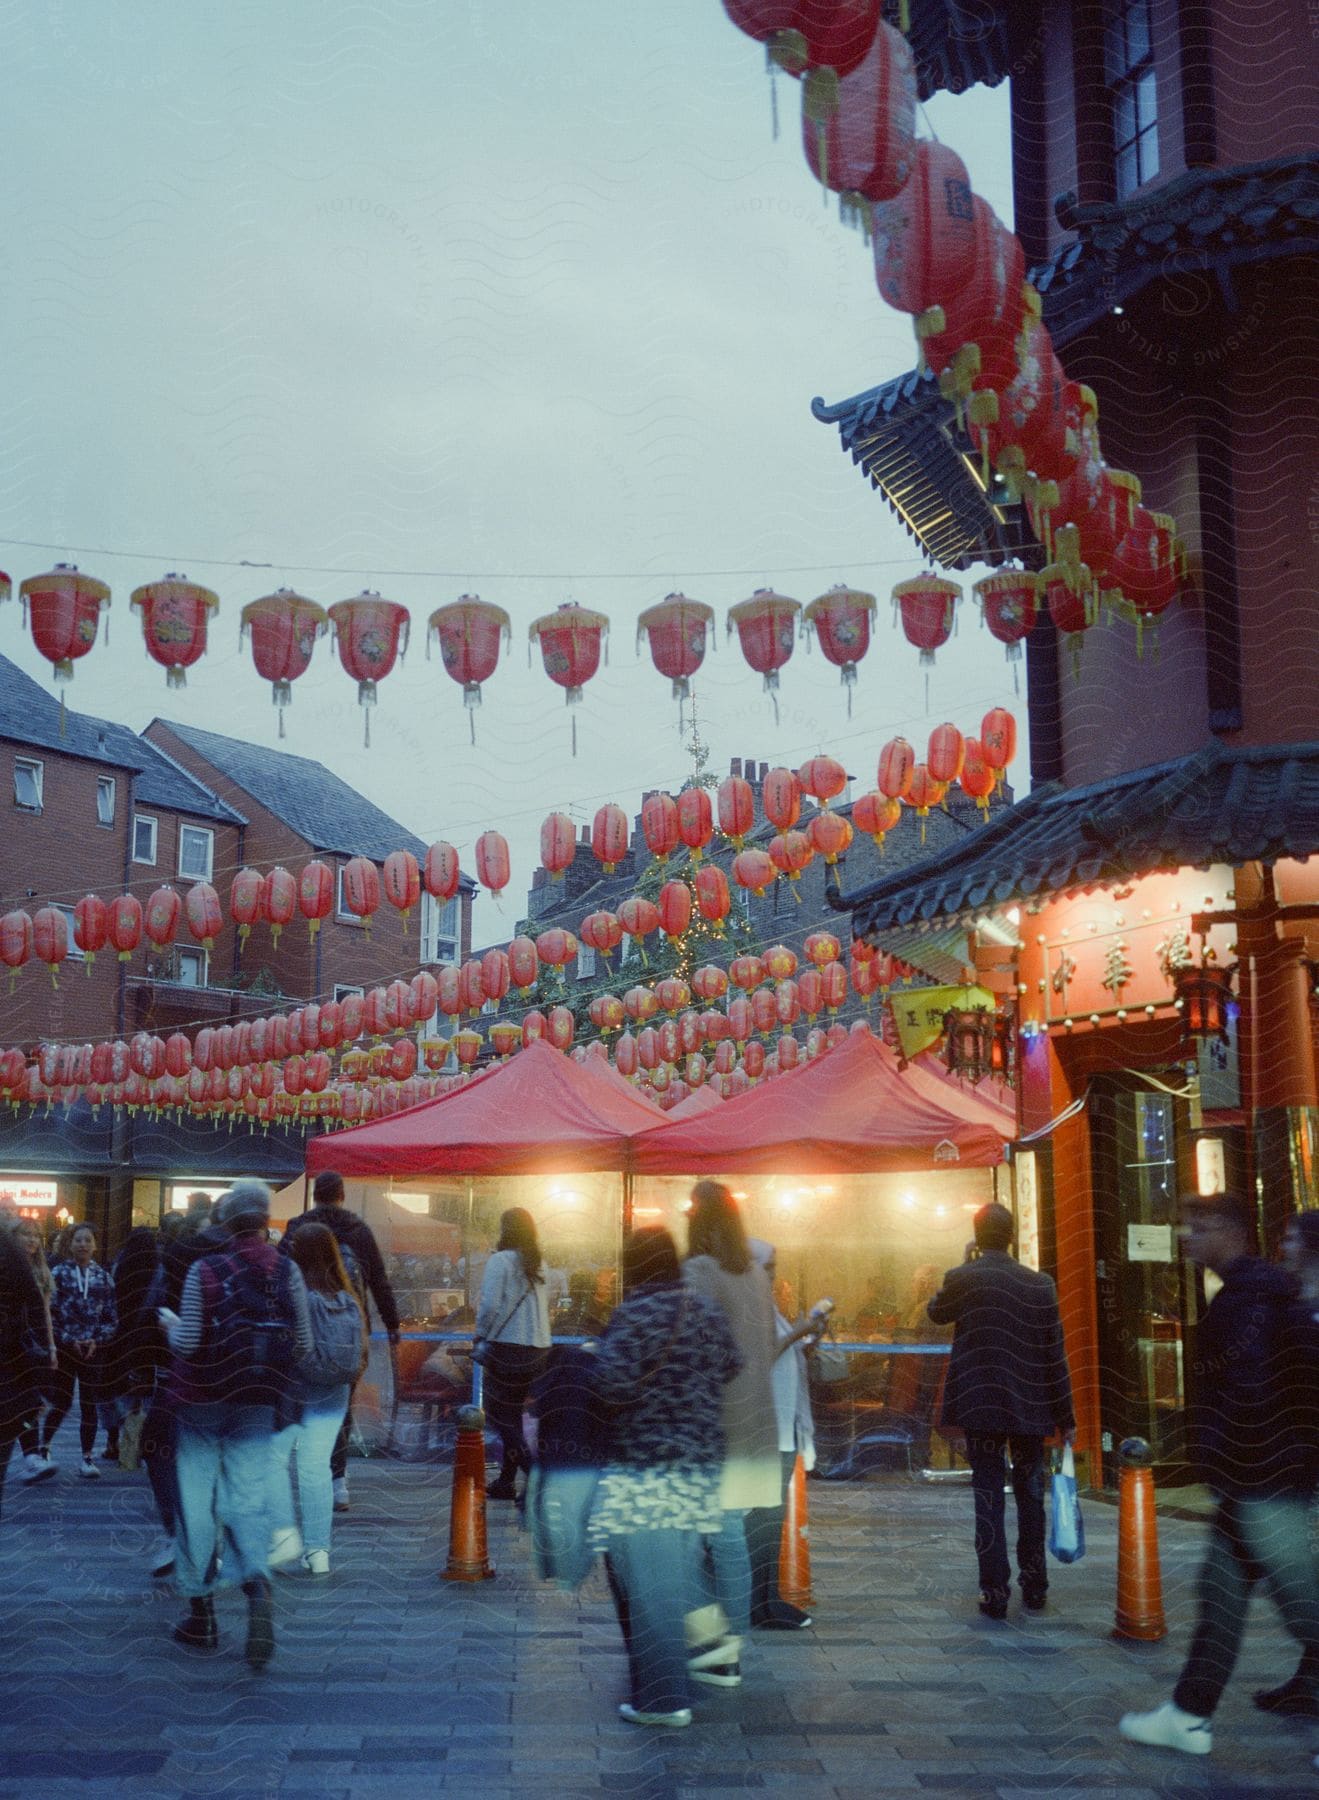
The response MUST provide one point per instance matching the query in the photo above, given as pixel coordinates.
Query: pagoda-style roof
(958, 45)
(1204, 220)
(1221, 805)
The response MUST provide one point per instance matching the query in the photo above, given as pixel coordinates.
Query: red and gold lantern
(560, 1027)
(50, 939)
(998, 740)
(862, 145)
(471, 986)
(841, 621)
(821, 947)
(924, 237)
(791, 852)
(558, 844)
(823, 778)
(279, 901)
(175, 613)
(160, 919)
(746, 972)
(125, 925)
(736, 802)
(523, 964)
(402, 882)
(602, 932)
(695, 821)
(876, 815)
(469, 634)
(1143, 569)
(62, 610)
(556, 947)
(440, 872)
(830, 835)
(780, 795)
(976, 777)
(659, 825)
(766, 627)
(927, 604)
(712, 896)
(677, 631)
(945, 754)
(371, 634)
(640, 1004)
(610, 836)
(626, 1060)
(361, 889)
(492, 865)
(572, 641)
(710, 983)
(780, 962)
(753, 870)
(925, 793)
(315, 895)
(639, 918)
(283, 627)
(1009, 604)
(91, 926)
(897, 760)
(675, 909)
(673, 995)
(504, 1036)
(245, 903)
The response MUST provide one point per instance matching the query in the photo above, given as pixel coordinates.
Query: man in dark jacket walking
(1008, 1385)
(366, 1270)
(1255, 1429)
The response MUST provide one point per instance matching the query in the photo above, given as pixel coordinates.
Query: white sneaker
(36, 1467)
(88, 1470)
(341, 1502)
(285, 1546)
(162, 1556)
(1169, 1728)
(683, 1716)
(316, 1562)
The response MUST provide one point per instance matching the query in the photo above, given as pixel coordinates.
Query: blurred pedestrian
(512, 1337)
(663, 1363)
(22, 1322)
(319, 1393)
(242, 1323)
(365, 1268)
(138, 1348)
(720, 1266)
(42, 1358)
(84, 1317)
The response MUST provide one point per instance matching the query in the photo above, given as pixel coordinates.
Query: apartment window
(105, 787)
(196, 852)
(342, 989)
(192, 967)
(585, 962)
(75, 954)
(144, 838)
(27, 784)
(439, 930)
(1133, 90)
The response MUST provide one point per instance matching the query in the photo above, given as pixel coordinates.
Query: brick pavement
(388, 1681)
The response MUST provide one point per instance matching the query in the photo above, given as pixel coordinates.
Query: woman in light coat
(512, 1335)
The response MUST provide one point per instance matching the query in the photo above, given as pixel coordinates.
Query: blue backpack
(338, 1349)
(248, 1346)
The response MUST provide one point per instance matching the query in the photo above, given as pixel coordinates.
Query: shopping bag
(1066, 1527)
(130, 1439)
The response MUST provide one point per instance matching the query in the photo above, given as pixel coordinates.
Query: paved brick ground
(388, 1681)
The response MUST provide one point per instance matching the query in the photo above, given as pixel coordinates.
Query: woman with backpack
(324, 1381)
(512, 1337)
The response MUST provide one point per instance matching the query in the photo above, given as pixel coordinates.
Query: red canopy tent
(540, 1112)
(850, 1111)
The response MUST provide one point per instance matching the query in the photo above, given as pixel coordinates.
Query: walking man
(242, 1322)
(1008, 1385)
(366, 1271)
(1255, 1429)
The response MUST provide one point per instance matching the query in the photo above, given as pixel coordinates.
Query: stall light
(647, 1212)
(908, 1200)
(941, 1212)
(1210, 1166)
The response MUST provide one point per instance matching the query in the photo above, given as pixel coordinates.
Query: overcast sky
(517, 300)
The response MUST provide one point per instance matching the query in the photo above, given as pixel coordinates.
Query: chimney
(735, 766)
(764, 770)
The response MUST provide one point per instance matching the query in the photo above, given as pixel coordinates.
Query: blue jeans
(310, 1442)
(651, 1574)
(222, 1470)
(725, 1572)
(1269, 1540)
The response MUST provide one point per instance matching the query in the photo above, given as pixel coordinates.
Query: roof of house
(1221, 805)
(957, 45)
(31, 716)
(1204, 219)
(316, 804)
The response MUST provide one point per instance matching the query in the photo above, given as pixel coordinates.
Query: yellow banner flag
(918, 1013)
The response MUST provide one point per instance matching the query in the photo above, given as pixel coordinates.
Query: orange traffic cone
(468, 1556)
(1139, 1582)
(795, 1543)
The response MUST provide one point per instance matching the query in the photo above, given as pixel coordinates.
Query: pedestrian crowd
(226, 1363)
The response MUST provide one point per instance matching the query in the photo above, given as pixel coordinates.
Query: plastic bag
(1066, 1526)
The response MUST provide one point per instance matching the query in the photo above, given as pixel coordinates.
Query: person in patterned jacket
(84, 1317)
(662, 1364)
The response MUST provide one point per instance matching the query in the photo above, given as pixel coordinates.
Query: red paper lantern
(91, 925)
(639, 918)
(695, 820)
(764, 1011)
(788, 1051)
(863, 147)
(370, 634)
(245, 903)
(830, 835)
(523, 964)
(63, 609)
(976, 777)
(175, 613)
(1143, 569)
(440, 872)
(673, 995)
(160, 920)
(1009, 605)
(125, 925)
(970, 341)
(659, 825)
(780, 795)
(558, 844)
(425, 995)
(279, 901)
(766, 626)
(876, 815)
(1069, 596)
(741, 1019)
(801, 35)
(746, 972)
(787, 1001)
(315, 895)
(823, 778)
(492, 866)
(556, 947)
(402, 882)
(677, 631)
(602, 932)
(712, 896)
(946, 751)
(469, 634)
(810, 992)
(821, 947)
(352, 1018)
(710, 983)
(791, 852)
(284, 627)
(640, 1004)
(610, 836)
(896, 761)
(571, 643)
(560, 1027)
(736, 801)
(780, 962)
(927, 606)
(504, 1037)
(924, 237)
(998, 740)
(607, 1013)
(675, 909)
(626, 1060)
(449, 990)
(178, 1055)
(841, 621)
(864, 976)
(925, 793)
(50, 939)
(471, 986)
(833, 985)
(753, 870)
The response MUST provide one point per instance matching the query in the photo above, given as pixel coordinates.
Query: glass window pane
(1148, 153)
(1124, 116)
(105, 800)
(27, 785)
(1137, 32)
(144, 840)
(1128, 171)
(1147, 108)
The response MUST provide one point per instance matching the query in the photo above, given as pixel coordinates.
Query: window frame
(148, 862)
(1131, 82)
(342, 990)
(75, 954)
(433, 935)
(106, 784)
(587, 962)
(36, 768)
(202, 831)
(204, 959)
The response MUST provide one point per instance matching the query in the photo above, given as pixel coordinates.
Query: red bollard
(1139, 1581)
(469, 1559)
(795, 1543)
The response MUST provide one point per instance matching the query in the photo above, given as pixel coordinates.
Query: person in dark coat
(1254, 1424)
(23, 1321)
(366, 1271)
(1008, 1385)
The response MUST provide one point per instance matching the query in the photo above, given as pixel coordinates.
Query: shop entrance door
(1149, 1297)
